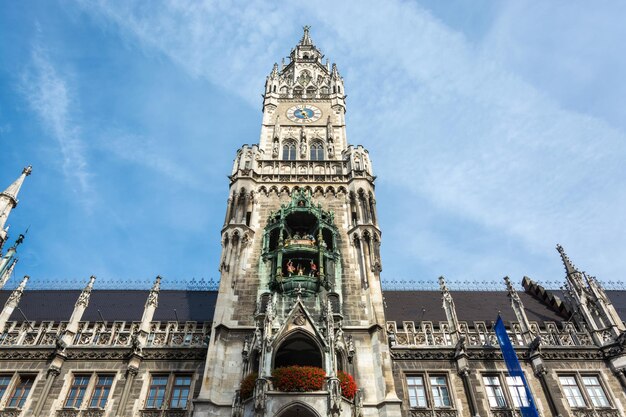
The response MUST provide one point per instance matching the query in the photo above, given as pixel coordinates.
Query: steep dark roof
(470, 306)
(127, 305)
(122, 305)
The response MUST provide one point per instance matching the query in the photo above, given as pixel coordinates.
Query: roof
(183, 305)
(114, 305)
(470, 306)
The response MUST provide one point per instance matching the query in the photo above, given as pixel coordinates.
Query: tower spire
(306, 37)
(8, 201)
(569, 266)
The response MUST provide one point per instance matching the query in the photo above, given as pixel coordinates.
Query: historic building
(300, 287)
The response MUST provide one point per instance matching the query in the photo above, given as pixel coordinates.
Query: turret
(8, 201)
(590, 304)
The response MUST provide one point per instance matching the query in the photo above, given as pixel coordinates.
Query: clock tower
(300, 264)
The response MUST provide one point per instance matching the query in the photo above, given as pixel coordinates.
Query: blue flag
(515, 370)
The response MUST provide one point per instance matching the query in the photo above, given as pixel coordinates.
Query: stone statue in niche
(275, 149)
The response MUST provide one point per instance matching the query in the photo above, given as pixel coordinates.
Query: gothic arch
(319, 191)
(330, 190)
(262, 190)
(273, 189)
(298, 347)
(285, 189)
(297, 409)
(342, 190)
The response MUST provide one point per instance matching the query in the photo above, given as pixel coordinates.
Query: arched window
(297, 92)
(289, 151)
(310, 91)
(317, 151)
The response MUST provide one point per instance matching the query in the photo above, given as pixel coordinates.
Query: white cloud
(448, 121)
(48, 94)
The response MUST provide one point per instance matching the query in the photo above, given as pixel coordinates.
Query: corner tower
(300, 264)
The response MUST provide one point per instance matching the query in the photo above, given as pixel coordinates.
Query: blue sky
(496, 129)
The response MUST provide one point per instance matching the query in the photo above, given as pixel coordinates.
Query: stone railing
(426, 333)
(432, 413)
(68, 412)
(115, 334)
(163, 413)
(301, 171)
(14, 412)
(505, 413)
(595, 413)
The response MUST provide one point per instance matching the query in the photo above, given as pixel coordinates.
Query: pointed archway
(297, 409)
(298, 349)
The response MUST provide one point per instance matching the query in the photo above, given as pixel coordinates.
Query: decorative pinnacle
(306, 38)
(509, 286)
(157, 284)
(569, 266)
(16, 295)
(442, 284)
(26, 171)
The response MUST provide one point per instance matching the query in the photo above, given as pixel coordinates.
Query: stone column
(53, 372)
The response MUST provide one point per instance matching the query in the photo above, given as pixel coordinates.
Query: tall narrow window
(595, 391)
(156, 392)
(517, 391)
(317, 151)
(494, 391)
(77, 391)
(21, 391)
(572, 391)
(417, 391)
(289, 151)
(5, 380)
(180, 392)
(101, 391)
(439, 389)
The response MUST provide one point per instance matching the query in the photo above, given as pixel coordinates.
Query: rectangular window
(495, 394)
(595, 391)
(439, 389)
(517, 391)
(156, 392)
(21, 391)
(180, 392)
(5, 380)
(572, 391)
(101, 391)
(417, 392)
(77, 391)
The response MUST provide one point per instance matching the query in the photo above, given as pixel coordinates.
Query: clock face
(304, 113)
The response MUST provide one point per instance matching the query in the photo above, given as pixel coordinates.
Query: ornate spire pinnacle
(306, 37)
(8, 200)
(569, 266)
(16, 295)
(274, 72)
(509, 287)
(153, 297)
(83, 298)
(7, 263)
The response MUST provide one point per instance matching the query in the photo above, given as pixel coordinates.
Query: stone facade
(300, 285)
